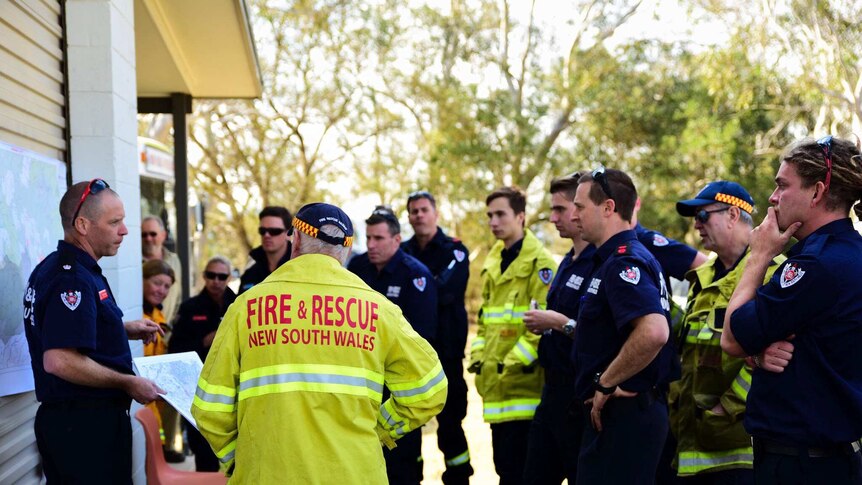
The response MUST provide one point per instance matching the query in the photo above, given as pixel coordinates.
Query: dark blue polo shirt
(816, 295)
(627, 284)
(407, 283)
(68, 304)
(564, 296)
(448, 261)
(674, 257)
(196, 318)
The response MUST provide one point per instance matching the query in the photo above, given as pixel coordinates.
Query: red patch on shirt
(199, 318)
(103, 295)
(622, 249)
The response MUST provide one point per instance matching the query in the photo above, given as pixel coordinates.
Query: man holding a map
(292, 388)
(82, 364)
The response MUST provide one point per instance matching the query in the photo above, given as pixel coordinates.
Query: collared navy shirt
(448, 261)
(674, 257)
(406, 282)
(197, 317)
(627, 284)
(564, 296)
(69, 305)
(817, 296)
(508, 256)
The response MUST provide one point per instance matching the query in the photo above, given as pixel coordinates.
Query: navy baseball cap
(311, 217)
(720, 191)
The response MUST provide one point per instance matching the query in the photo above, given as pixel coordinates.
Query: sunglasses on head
(825, 145)
(149, 234)
(212, 275)
(601, 177)
(702, 215)
(94, 187)
(419, 194)
(272, 231)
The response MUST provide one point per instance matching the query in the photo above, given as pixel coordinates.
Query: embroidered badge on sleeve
(546, 275)
(659, 240)
(71, 299)
(791, 274)
(459, 255)
(419, 283)
(632, 274)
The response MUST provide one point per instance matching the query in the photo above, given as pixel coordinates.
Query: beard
(151, 250)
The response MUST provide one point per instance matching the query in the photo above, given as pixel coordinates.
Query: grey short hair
(312, 245)
(158, 220)
(220, 259)
(744, 216)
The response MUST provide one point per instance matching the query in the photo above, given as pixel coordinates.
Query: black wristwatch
(569, 327)
(602, 389)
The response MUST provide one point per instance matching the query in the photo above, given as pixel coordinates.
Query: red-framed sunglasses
(94, 187)
(825, 144)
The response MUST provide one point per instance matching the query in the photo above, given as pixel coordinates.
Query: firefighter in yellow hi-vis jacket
(504, 354)
(292, 387)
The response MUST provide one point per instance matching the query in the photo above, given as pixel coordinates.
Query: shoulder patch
(790, 275)
(71, 299)
(420, 283)
(546, 275)
(632, 274)
(623, 249)
(459, 255)
(659, 240)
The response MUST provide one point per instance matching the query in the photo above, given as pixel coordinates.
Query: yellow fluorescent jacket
(292, 387)
(510, 380)
(707, 441)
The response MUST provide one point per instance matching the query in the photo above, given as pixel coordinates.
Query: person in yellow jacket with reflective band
(504, 354)
(708, 403)
(292, 387)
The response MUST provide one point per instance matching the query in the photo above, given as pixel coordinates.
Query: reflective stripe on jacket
(291, 389)
(707, 441)
(510, 379)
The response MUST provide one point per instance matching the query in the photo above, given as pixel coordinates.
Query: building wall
(103, 125)
(32, 116)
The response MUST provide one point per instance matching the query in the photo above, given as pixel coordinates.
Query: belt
(89, 403)
(778, 448)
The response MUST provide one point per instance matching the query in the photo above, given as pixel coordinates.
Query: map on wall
(177, 374)
(31, 186)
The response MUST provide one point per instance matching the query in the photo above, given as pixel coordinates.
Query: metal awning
(203, 48)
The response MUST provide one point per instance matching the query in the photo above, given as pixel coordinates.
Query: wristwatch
(569, 327)
(602, 389)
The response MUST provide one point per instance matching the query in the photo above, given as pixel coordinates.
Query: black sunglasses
(212, 275)
(702, 215)
(825, 144)
(94, 187)
(601, 177)
(149, 234)
(272, 231)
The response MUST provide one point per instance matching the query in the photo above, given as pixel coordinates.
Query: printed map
(31, 186)
(175, 373)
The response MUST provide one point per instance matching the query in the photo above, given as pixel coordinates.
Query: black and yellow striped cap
(720, 191)
(311, 217)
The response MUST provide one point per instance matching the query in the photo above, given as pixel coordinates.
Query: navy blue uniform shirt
(68, 304)
(816, 295)
(408, 284)
(197, 317)
(564, 296)
(628, 283)
(674, 257)
(447, 260)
